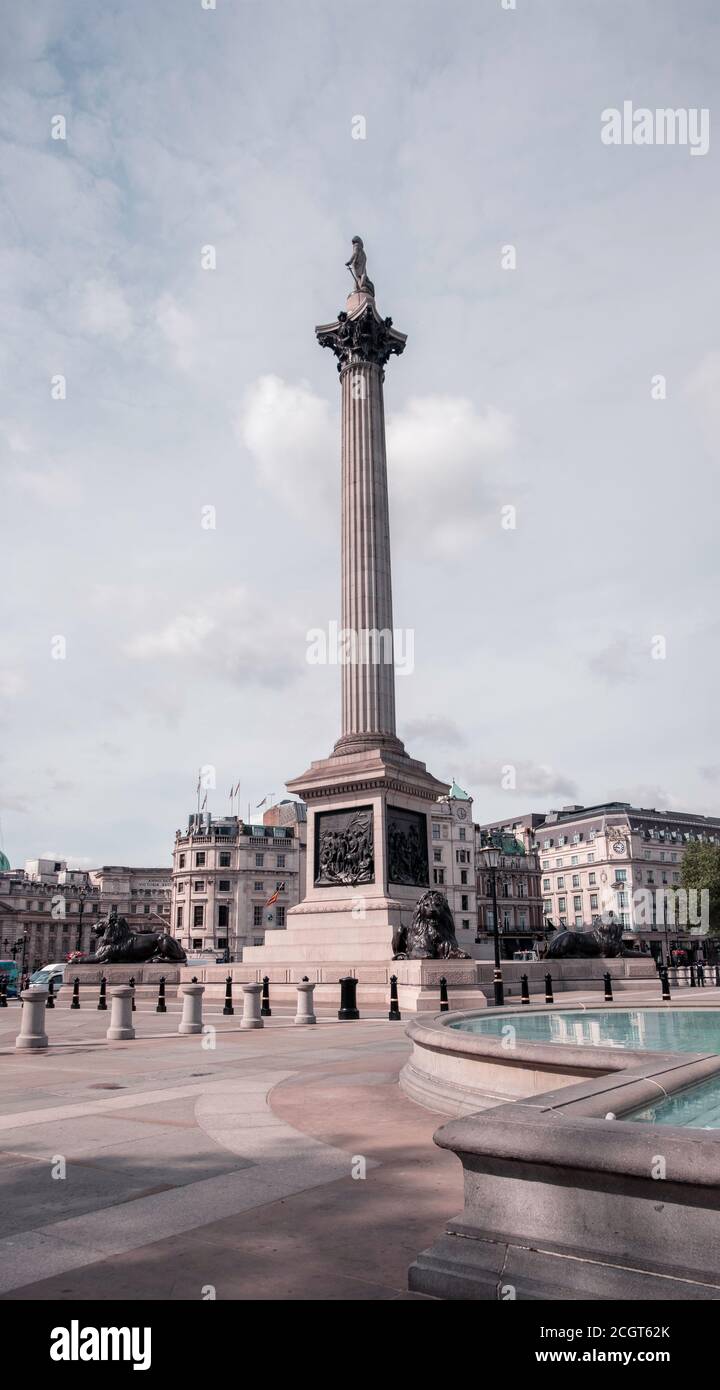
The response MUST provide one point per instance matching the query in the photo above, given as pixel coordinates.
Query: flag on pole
(279, 888)
(261, 803)
(202, 808)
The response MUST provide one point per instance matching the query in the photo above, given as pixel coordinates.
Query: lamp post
(82, 894)
(492, 860)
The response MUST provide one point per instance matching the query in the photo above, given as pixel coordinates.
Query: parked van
(54, 972)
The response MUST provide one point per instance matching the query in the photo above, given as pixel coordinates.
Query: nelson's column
(368, 803)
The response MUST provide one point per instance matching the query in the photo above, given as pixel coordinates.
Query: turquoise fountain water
(697, 1107)
(651, 1030)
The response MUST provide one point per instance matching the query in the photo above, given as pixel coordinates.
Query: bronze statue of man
(357, 265)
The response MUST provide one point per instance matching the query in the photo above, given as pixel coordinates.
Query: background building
(452, 867)
(517, 886)
(225, 872)
(48, 910)
(615, 857)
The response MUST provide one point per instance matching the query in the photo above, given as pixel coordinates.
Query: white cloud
(443, 469)
(293, 440)
(531, 779)
(104, 311)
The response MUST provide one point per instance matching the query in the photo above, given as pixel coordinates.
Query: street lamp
(82, 894)
(492, 861)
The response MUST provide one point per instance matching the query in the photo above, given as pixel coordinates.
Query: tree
(701, 869)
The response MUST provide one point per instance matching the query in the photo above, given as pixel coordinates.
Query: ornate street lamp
(492, 861)
(82, 894)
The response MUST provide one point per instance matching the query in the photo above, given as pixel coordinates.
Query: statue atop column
(357, 265)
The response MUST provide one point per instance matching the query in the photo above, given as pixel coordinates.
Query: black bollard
(76, 993)
(664, 981)
(265, 1010)
(51, 996)
(348, 998)
(701, 974)
(608, 987)
(161, 1006)
(548, 989)
(394, 1014)
(693, 981)
(102, 1001)
(228, 1006)
(717, 975)
(131, 983)
(524, 990)
(444, 1006)
(3, 992)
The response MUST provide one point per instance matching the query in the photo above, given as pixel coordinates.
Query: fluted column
(363, 342)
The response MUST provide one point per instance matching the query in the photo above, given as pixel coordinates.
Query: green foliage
(701, 869)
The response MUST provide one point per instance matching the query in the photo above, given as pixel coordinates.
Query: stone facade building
(517, 886)
(452, 870)
(225, 872)
(48, 910)
(618, 858)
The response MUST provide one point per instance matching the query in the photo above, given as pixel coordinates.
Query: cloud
(292, 438)
(619, 661)
(54, 487)
(232, 635)
(530, 778)
(103, 310)
(442, 451)
(435, 730)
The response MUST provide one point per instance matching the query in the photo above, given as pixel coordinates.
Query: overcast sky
(190, 388)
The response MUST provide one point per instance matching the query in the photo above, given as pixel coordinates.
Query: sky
(164, 266)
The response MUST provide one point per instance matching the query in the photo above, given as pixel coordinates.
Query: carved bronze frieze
(407, 854)
(344, 847)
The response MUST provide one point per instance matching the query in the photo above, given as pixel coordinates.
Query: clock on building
(618, 846)
(461, 813)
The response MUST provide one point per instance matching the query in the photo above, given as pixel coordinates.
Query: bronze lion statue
(431, 934)
(118, 945)
(601, 940)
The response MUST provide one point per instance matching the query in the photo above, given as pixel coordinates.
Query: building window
(223, 917)
(592, 879)
(435, 831)
(281, 861)
(181, 861)
(224, 885)
(257, 885)
(561, 904)
(461, 832)
(200, 859)
(146, 909)
(180, 888)
(280, 916)
(198, 914)
(438, 876)
(197, 943)
(577, 903)
(257, 916)
(561, 882)
(199, 885)
(466, 923)
(437, 856)
(259, 860)
(593, 902)
(546, 885)
(578, 921)
(576, 880)
(622, 899)
(463, 875)
(464, 902)
(547, 906)
(224, 859)
(573, 859)
(222, 943)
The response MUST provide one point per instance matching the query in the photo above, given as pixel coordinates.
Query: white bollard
(191, 1021)
(305, 1002)
(121, 1029)
(252, 1017)
(32, 1023)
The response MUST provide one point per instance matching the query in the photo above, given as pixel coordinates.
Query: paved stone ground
(231, 1167)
